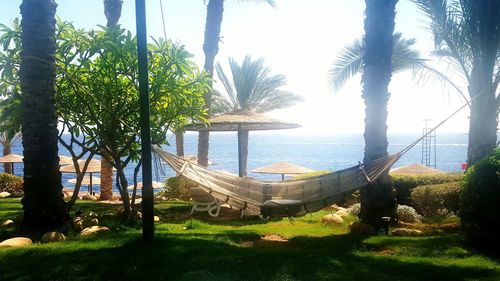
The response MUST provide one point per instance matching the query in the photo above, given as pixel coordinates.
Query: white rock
(93, 230)
(16, 242)
(4, 194)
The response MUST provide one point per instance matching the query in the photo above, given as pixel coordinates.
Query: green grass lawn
(204, 249)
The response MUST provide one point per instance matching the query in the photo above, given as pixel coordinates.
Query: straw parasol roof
(11, 158)
(93, 167)
(65, 160)
(87, 180)
(155, 185)
(282, 168)
(416, 169)
(241, 120)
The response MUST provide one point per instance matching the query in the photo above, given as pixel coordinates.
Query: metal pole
(240, 152)
(147, 179)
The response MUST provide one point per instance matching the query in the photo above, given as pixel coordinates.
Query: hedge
(405, 183)
(435, 200)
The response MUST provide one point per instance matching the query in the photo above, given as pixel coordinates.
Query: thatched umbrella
(93, 167)
(282, 168)
(87, 180)
(242, 122)
(65, 160)
(11, 158)
(416, 169)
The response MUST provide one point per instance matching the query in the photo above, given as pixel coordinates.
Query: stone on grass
(93, 230)
(16, 242)
(359, 228)
(53, 236)
(331, 219)
(89, 197)
(406, 232)
(343, 214)
(156, 218)
(87, 222)
(4, 194)
(92, 215)
(334, 208)
(7, 224)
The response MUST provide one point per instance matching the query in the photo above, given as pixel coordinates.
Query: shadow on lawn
(122, 256)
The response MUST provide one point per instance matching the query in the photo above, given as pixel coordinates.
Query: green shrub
(405, 183)
(480, 202)
(11, 183)
(437, 199)
(178, 187)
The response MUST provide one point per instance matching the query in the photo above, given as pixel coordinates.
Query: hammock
(286, 199)
(289, 198)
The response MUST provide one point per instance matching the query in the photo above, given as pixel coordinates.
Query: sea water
(317, 152)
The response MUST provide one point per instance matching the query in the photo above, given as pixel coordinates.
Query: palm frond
(347, 64)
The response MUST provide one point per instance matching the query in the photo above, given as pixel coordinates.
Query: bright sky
(300, 39)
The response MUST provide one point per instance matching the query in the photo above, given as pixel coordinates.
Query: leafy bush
(407, 214)
(436, 200)
(178, 187)
(480, 202)
(10, 183)
(405, 183)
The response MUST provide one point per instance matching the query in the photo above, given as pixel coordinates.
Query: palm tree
(377, 199)
(467, 38)
(252, 88)
(215, 10)
(44, 207)
(112, 11)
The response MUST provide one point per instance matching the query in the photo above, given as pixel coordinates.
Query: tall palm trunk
(7, 167)
(43, 204)
(484, 20)
(179, 143)
(483, 121)
(215, 10)
(112, 11)
(377, 199)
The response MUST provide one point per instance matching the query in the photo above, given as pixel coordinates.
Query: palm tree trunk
(377, 199)
(483, 120)
(43, 204)
(215, 10)
(179, 143)
(7, 167)
(112, 11)
(106, 178)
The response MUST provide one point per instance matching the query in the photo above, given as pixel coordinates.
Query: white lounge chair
(202, 201)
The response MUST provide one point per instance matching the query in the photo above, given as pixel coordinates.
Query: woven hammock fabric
(288, 198)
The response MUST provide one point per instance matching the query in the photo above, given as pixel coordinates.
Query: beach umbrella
(87, 180)
(93, 167)
(65, 160)
(416, 169)
(242, 122)
(11, 158)
(282, 168)
(156, 184)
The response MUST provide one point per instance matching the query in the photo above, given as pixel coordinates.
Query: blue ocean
(317, 152)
